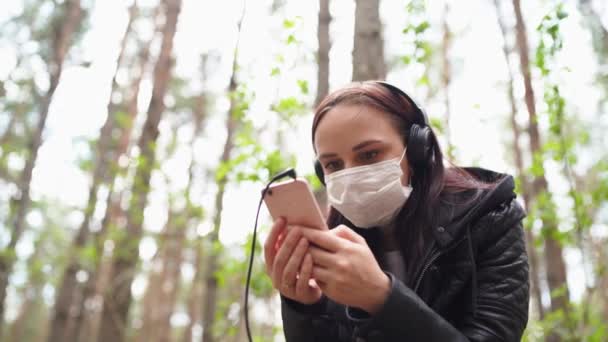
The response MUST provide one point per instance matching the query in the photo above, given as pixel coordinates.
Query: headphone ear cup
(319, 172)
(418, 145)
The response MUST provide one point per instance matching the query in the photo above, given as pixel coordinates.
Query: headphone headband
(424, 121)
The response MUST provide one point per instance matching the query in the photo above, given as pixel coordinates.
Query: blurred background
(135, 137)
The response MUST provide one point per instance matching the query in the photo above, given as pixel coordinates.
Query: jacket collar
(460, 210)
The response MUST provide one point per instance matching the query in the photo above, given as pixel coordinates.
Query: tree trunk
(368, 49)
(232, 123)
(211, 289)
(176, 235)
(124, 262)
(323, 52)
(195, 297)
(69, 291)
(61, 41)
(88, 316)
(519, 165)
(602, 275)
(170, 280)
(26, 326)
(446, 78)
(91, 304)
(599, 32)
(554, 260)
(164, 283)
(151, 303)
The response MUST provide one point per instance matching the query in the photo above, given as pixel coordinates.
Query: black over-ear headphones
(419, 135)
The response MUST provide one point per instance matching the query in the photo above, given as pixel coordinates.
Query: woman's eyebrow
(327, 155)
(356, 148)
(365, 144)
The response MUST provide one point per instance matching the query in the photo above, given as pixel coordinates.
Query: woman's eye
(369, 156)
(332, 166)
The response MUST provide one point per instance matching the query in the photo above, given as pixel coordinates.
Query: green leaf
(423, 26)
(289, 24)
(437, 124)
(291, 39)
(303, 84)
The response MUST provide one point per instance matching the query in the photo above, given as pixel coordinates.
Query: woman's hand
(289, 264)
(346, 270)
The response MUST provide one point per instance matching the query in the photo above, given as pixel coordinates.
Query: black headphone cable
(291, 173)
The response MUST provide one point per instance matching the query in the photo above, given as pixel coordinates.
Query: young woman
(415, 251)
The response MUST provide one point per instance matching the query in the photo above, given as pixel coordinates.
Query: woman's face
(352, 135)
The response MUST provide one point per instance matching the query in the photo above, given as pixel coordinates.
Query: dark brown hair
(430, 181)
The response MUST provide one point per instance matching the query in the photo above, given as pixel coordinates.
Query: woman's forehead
(346, 125)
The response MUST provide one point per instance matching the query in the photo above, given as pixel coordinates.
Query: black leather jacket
(472, 285)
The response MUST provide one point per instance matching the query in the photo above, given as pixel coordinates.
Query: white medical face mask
(369, 195)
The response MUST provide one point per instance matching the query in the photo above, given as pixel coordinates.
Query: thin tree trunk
(446, 78)
(554, 260)
(87, 320)
(118, 299)
(322, 75)
(69, 292)
(195, 296)
(26, 326)
(232, 123)
(169, 279)
(599, 32)
(519, 165)
(211, 289)
(323, 52)
(368, 49)
(60, 45)
(151, 304)
(163, 283)
(602, 275)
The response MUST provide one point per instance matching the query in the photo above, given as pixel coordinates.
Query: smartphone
(294, 201)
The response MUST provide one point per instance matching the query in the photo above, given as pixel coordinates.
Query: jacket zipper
(432, 260)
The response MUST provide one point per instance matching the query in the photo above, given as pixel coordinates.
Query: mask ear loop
(410, 170)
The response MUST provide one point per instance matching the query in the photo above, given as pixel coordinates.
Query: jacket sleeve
(502, 298)
(301, 323)
(503, 280)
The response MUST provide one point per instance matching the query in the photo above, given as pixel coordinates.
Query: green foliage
(240, 100)
(314, 182)
(583, 322)
(303, 84)
(416, 35)
(437, 124)
(7, 256)
(88, 256)
(290, 107)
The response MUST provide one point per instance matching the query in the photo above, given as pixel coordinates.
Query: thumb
(348, 234)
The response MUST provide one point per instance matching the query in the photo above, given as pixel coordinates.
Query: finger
(348, 234)
(269, 245)
(322, 275)
(282, 256)
(294, 262)
(323, 239)
(302, 285)
(322, 257)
